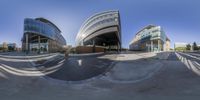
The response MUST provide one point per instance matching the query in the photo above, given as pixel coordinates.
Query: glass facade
(35, 47)
(150, 38)
(97, 22)
(41, 35)
(44, 29)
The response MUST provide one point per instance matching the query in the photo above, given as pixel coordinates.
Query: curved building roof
(149, 29)
(99, 24)
(44, 27)
(47, 21)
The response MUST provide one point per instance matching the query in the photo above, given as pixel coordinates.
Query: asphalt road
(191, 56)
(172, 57)
(77, 68)
(174, 81)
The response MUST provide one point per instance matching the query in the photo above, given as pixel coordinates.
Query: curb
(28, 57)
(149, 75)
(88, 54)
(81, 81)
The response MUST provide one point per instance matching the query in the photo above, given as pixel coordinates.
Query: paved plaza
(124, 76)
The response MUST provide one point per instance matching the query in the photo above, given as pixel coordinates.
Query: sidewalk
(86, 54)
(24, 56)
(129, 69)
(133, 68)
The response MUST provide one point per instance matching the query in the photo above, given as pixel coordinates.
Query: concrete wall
(88, 49)
(167, 48)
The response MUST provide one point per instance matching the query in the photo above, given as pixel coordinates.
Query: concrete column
(151, 46)
(148, 47)
(164, 46)
(39, 44)
(27, 48)
(159, 49)
(47, 46)
(120, 48)
(93, 45)
(191, 48)
(109, 48)
(104, 47)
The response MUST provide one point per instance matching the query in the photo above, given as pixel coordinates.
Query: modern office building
(8, 47)
(101, 30)
(11, 46)
(150, 38)
(41, 35)
(180, 44)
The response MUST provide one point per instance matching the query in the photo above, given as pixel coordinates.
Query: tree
(188, 47)
(195, 47)
(1, 48)
(180, 48)
(5, 46)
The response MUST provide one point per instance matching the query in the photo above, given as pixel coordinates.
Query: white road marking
(36, 72)
(79, 62)
(191, 65)
(190, 56)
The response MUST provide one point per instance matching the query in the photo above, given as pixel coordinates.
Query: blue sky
(180, 19)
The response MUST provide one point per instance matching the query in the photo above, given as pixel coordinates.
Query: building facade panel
(150, 38)
(100, 29)
(41, 35)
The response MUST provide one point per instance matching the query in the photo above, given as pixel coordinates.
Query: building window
(116, 19)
